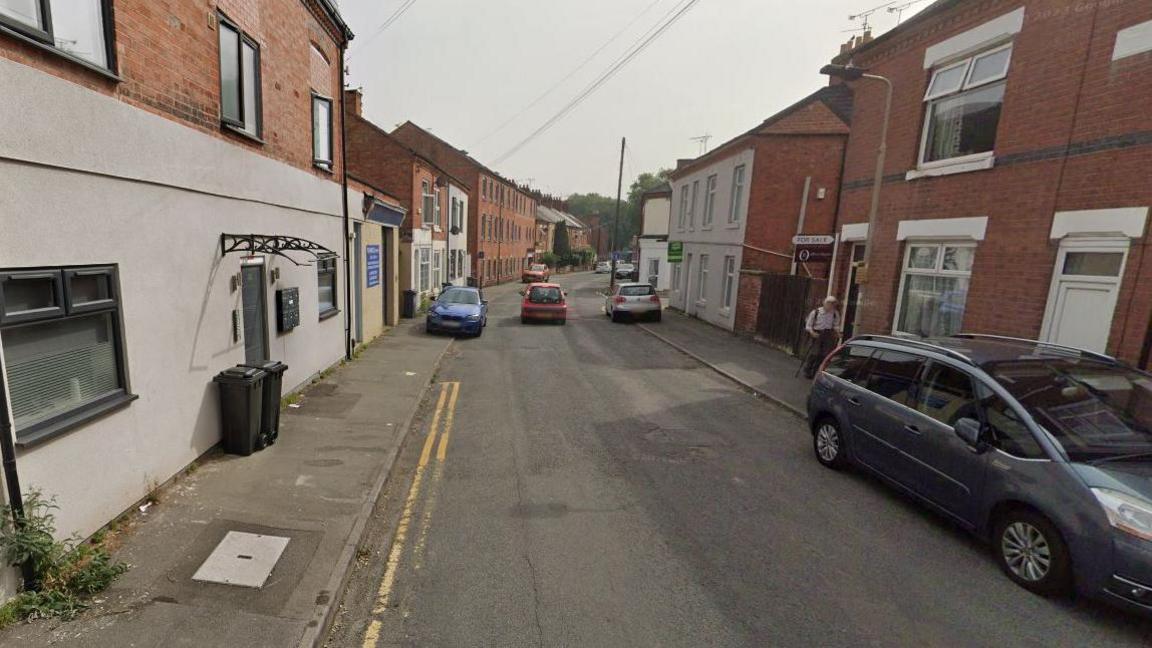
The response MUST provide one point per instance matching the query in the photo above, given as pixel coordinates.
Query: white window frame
(427, 204)
(437, 269)
(692, 206)
(702, 278)
(683, 218)
(729, 293)
(963, 163)
(437, 220)
(325, 137)
(933, 272)
(423, 269)
(709, 201)
(739, 181)
(677, 271)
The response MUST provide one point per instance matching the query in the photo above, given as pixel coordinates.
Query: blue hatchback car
(458, 310)
(1043, 450)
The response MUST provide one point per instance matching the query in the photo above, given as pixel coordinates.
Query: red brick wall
(377, 159)
(168, 59)
(1055, 96)
(748, 302)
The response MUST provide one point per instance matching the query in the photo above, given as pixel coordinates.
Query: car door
(886, 413)
(948, 471)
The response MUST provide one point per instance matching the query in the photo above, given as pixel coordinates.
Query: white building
(709, 215)
(459, 261)
(655, 212)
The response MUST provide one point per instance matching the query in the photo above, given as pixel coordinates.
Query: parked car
(544, 302)
(1045, 451)
(536, 273)
(633, 300)
(458, 310)
(603, 267)
(624, 270)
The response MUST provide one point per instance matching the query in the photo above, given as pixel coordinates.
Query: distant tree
(629, 225)
(562, 247)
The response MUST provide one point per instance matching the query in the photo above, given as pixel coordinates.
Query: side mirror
(970, 432)
(483, 302)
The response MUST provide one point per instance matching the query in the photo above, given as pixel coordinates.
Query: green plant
(66, 570)
(549, 259)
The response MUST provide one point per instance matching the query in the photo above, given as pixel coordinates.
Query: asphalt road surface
(598, 488)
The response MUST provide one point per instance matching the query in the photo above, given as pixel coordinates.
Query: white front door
(1085, 286)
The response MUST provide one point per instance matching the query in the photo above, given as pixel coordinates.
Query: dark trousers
(821, 347)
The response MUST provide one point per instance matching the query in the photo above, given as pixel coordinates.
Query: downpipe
(12, 481)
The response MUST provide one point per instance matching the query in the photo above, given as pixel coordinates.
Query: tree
(593, 203)
(562, 247)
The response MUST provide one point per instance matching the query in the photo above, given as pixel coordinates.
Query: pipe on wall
(12, 480)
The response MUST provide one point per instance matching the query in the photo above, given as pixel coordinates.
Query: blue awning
(386, 215)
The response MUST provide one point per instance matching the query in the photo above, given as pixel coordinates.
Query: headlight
(473, 318)
(1131, 515)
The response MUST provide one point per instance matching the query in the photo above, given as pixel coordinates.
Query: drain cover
(242, 559)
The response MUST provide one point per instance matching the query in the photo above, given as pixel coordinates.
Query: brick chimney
(354, 101)
(683, 162)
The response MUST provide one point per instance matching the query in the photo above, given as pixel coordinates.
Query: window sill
(102, 71)
(236, 130)
(328, 314)
(67, 422)
(966, 164)
(326, 167)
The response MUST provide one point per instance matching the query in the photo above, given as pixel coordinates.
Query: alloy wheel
(828, 442)
(1026, 551)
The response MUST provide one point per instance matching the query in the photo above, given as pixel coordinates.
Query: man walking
(823, 325)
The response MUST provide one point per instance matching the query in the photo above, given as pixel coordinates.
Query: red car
(544, 302)
(536, 273)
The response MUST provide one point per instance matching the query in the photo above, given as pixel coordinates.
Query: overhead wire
(407, 4)
(646, 40)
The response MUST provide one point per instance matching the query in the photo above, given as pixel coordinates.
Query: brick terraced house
(1017, 186)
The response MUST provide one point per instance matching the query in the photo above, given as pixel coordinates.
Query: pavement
(591, 485)
(316, 486)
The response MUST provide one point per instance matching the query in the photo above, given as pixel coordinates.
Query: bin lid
(271, 366)
(240, 374)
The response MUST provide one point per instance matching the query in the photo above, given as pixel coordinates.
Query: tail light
(654, 298)
(619, 299)
(825, 361)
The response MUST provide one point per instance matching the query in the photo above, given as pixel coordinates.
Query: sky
(463, 68)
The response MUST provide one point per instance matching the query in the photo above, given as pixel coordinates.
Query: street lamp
(852, 73)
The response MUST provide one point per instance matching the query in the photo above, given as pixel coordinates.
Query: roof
(663, 189)
(982, 350)
(329, 7)
(901, 29)
(551, 215)
(838, 99)
(411, 151)
(480, 165)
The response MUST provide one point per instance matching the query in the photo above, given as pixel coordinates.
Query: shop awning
(386, 215)
(272, 244)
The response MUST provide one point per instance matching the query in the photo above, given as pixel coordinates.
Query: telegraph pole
(616, 221)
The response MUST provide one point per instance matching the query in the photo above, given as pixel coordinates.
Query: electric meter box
(287, 309)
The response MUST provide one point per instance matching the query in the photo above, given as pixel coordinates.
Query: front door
(1082, 299)
(255, 311)
(852, 299)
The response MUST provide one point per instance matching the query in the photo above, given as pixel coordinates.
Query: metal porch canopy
(272, 244)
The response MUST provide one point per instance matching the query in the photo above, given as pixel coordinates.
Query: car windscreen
(1096, 411)
(542, 295)
(459, 297)
(635, 291)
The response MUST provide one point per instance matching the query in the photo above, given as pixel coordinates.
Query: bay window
(964, 103)
(63, 343)
(239, 79)
(82, 29)
(934, 288)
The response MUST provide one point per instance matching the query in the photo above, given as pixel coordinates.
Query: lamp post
(852, 73)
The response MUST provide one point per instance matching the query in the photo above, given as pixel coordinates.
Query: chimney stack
(354, 101)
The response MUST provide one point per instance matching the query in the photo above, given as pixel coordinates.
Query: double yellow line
(446, 412)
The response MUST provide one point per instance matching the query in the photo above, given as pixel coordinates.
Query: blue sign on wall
(372, 257)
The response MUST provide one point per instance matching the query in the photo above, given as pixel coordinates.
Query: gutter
(12, 481)
(344, 210)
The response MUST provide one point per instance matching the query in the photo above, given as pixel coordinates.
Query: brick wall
(748, 302)
(168, 64)
(380, 161)
(1067, 98)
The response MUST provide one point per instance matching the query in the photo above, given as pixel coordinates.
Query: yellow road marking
(431, 440)
(372, 635)
(442, 451)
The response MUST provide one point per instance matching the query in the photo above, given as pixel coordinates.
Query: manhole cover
(242, 559)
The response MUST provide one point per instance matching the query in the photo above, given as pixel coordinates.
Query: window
(457, 215)
(424, 271)
(1007, 431)
(729, 280)
(692, 206)
(326, 286)
(947, 395)
(709, 201)
(964, 102)
(63, 347)
(79, 28)
(849, 363)
(240, 79)
(322, 132)
(702, 286)
(438, 268)
(892, 374)
(437, 219)
(734, 209)
(427, 211)
(934, 288)
(676, 275)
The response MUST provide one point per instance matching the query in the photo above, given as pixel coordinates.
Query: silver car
(633, 300)
(603, 267)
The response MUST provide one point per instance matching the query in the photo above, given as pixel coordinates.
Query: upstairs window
(964, 104)
(734, 209)
(709, 201)
(429, 201)
(692, 206)
(322, 132)
(436, 208)
(79, 28)
(239, 79)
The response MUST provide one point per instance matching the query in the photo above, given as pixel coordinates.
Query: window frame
(728, 293)
(936, 271)
(427, 199)
(45, 39)
(930, 100)
(702, 278)
(710, 186)
(692, 206)
(233, 125)
(318, 162)
(326, 267)
(739, 182)
(80, 415)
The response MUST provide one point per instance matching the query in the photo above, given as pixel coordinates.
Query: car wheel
(563, 322)
(829, 444)
(1032, 553)
(480, 331)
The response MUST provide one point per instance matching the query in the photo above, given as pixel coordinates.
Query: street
(588, 485)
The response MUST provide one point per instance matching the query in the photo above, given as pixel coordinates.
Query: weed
(67, 570)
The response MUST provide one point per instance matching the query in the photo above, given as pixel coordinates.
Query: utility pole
(616, 222)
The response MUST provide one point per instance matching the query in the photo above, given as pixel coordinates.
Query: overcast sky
(461, 68)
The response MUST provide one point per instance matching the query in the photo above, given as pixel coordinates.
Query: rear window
(636, 291)
(540, 295)
(849, 362)
(892, 374)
